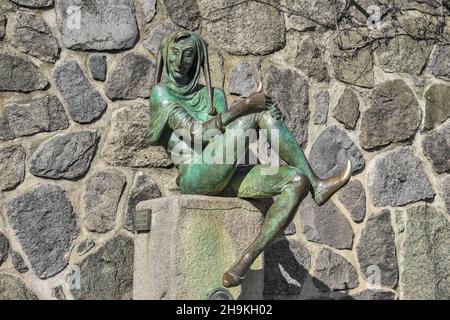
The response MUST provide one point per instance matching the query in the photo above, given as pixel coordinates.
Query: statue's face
(181, 57)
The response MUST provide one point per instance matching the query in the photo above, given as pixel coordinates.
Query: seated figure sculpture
(179, 103)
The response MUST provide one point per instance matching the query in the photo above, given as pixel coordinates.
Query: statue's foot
(327, 187)
(230, 279)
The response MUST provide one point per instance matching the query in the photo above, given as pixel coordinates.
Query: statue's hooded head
(181, 57)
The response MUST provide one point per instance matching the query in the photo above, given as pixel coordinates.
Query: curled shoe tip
(230, 280)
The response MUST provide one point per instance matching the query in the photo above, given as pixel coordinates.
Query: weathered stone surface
(309, 60)
(183, 12)
(18, 74)
(243, 28)
(446, 192)
(333, 272)
(85, 246)
(12, 167)
(107, 274)
(242, 80)
(143, 188)
(98, 67)
(440, 62)
(84, 102)
(102, 194)
(319, 15)
(65, 156)
(13, 288)
(58, 293)
(127, 145)
(2, 26)
(286, 265)
(131, 78)
(376, 249)
(291, 91)
(45, 225)
(100, 25)
(350, 66)
(394, 115)
(30, 117)
(149, 9)
(34, 3)
(33, 36)
(436, 147)
(353, 197)
(437, 108)
(18, 262)
(372, 294)
(425, 255)
(325, 224)
(404, 54)
(347, 109)
(157, 34)
(397, 178)
(4, 247)
(331, 150)
(322, 99)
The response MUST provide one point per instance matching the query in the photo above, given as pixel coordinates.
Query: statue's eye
(189, 53)
(175, 50)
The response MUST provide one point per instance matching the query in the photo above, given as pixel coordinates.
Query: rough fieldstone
(18, 262)
(440, 62)
(98, 67)
(309, 60)
(102, 194)
(291, 91)
(216, 65)
(157, 34)
(131, 78)
(446, 192)
(404, 54)
(58, 293)
(17, 74)
(333, 272)
(13, 288)
(28, 118)
(325, 224)
(290, 230)
(353, 197)
(4, 247)
(330, 152)
(149, 9)
(425, 255)
(107, 274)
(65, 156)
(287, 263)
(242, 80)
(437, 108)
(436, 147)
(99, 25)
(350, 66)
(34, 3)
(393, 116)
(183, 12)
(397, 178)
(243, 28)
(33, 36)
(347, 109)
(45, 225)
(12, 167)
(84, 102)
(320, 14)
(322, 99)
(143, 188)
(376, 247)
(2, 26)
(85, 246)
(127, 145)
(372, 294)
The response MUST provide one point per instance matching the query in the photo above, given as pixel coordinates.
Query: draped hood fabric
(188, 96)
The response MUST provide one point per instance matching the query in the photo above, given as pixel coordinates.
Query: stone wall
(75, 76)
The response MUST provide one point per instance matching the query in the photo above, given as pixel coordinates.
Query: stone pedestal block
(193, 240)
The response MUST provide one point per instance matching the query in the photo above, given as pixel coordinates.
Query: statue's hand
(276, 112)
(258, 102)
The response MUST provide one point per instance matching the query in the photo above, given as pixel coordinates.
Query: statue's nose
(179, 58)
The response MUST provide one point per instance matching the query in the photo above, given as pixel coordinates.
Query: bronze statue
(179, 103)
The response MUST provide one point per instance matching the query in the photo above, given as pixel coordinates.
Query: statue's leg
(291, 152)
(291, 186)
